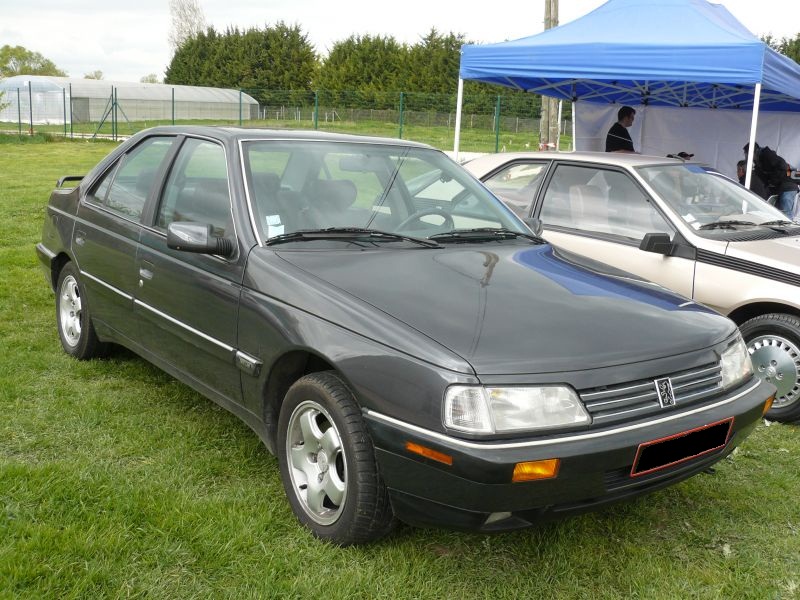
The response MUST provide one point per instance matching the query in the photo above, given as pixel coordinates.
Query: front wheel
(75, 328)
(773, 341)
(327, 463)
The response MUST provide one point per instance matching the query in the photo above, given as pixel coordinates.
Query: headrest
(266, 182)
(332, 194)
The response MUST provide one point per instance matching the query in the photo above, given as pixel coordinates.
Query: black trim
(745, 266)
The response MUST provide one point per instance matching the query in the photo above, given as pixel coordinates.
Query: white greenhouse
(41, 100)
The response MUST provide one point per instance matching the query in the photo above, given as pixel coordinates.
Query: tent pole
(753, 126)
(574, 126)
(558, 137)
(459, 102)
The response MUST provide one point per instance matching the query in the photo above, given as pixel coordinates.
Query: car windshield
(344, 188)
(703, 198)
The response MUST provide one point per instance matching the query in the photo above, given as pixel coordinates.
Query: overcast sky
(128, 39)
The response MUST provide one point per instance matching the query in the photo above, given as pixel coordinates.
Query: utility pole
(549, 125)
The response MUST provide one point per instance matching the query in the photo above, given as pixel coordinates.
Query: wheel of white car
(75, 328)
(327, 463)
(773, 341)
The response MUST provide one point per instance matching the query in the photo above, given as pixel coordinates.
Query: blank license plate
(678, 448)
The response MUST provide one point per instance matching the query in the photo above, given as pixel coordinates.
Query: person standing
(756, 185)
(618, 139)
(774, 172)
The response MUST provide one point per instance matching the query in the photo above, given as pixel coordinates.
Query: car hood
(780, 253)
(511, 309)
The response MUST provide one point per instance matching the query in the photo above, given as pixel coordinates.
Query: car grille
(636, 399)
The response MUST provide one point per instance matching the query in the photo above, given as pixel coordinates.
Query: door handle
(145, 272)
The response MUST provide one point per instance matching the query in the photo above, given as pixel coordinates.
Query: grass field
(116, 482)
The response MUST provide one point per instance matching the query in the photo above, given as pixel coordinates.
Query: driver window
(600, 201)
(197, 188)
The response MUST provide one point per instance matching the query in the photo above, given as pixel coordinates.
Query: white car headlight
(735, 363)
(477, 409)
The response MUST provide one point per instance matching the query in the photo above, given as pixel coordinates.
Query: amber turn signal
(536, 469)
(768, 404)
(429, 453)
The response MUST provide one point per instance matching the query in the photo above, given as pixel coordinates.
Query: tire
(773, 341)
(323, 447)
(73, 318)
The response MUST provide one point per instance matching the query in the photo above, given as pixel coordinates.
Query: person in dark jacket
(774, 172)
(756, 185)
(618, 139)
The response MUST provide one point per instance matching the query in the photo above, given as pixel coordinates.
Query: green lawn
(116, 481)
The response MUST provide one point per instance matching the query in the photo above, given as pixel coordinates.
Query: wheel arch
(287, 369)
(56, 265)
(744, 313)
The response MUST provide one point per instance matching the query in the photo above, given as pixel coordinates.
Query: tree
(18, 60)
(188, 21)
(150, 78)
(433, 63)
(364, 71)
(98, 74)
(787, 46)
(274, 58)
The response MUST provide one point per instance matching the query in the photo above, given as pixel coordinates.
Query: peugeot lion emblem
(666, 396)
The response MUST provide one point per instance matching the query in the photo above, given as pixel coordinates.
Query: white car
(678, 224)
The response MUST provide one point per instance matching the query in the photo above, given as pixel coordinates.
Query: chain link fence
(489, 123)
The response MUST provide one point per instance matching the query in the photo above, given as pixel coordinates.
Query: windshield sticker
(274, 225)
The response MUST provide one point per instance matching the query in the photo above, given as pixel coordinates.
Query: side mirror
(534, 224)
(660, 243)
(197, 237)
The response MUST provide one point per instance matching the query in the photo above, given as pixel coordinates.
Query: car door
(107, 232)
(603, 214)
(187, 302)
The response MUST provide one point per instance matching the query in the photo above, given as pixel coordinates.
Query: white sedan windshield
(701, 197)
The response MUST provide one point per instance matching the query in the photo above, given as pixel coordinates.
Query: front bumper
(475, 492)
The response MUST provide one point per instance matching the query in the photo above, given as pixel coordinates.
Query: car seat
(588, 207)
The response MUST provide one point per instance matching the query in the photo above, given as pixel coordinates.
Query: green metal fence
(489, 123)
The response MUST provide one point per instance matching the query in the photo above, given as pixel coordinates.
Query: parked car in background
(392, 332)
(678, 224)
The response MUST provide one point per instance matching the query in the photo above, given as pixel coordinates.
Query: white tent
(57, 99)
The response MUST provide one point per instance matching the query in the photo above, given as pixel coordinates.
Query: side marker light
(429, 453)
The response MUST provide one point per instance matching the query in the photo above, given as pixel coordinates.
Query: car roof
(621, 159)
(234, 134)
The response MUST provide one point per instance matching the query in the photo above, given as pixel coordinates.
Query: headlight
(735, 363)
(477, 409)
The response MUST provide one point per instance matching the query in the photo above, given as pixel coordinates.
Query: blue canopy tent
(678, 53)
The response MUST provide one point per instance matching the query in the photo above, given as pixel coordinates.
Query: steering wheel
(448, 220)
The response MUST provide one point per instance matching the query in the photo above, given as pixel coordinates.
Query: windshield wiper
(779, 222)
(484, 233)
(347, 233)
(725, 224)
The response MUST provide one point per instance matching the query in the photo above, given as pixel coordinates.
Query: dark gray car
(404, 344)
